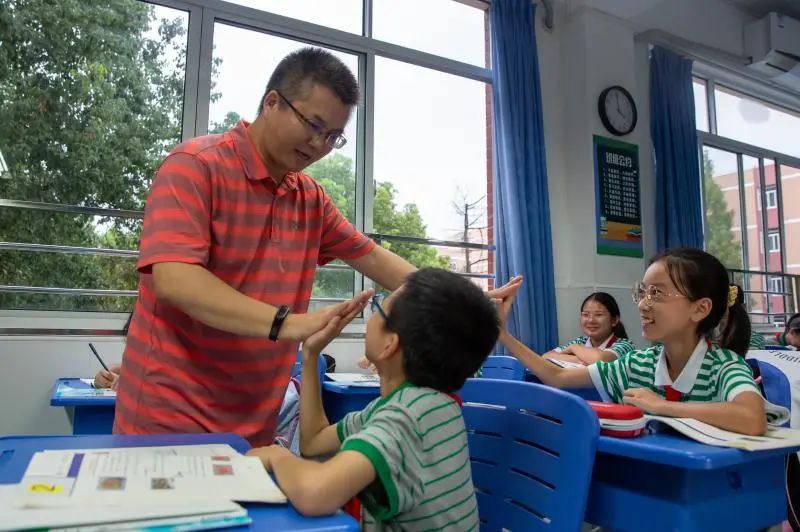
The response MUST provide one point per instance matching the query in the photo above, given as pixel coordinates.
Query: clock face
(617, 111)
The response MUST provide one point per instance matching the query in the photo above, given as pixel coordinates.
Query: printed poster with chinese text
(619, 217)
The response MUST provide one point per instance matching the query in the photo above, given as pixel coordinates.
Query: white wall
(30, 367)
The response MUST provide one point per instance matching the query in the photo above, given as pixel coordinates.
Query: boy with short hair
(405, 455)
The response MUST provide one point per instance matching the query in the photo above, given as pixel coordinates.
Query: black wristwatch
(283, 311)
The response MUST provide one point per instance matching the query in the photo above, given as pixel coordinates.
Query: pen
(98, 357)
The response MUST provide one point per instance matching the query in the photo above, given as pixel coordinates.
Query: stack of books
(192, 487)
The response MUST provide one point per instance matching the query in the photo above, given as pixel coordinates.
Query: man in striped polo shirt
(405, 455)
(233, 232)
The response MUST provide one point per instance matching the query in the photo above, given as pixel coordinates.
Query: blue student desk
(16, 452)
(340, 398)
(666, 482)
(88, 415)
(95, 415)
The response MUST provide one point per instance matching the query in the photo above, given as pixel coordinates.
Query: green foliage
(89, 105)
(337, 176)
(720, 239)
(231, 119)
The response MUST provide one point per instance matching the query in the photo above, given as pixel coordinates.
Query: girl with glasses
(682, 299)
(604, 336)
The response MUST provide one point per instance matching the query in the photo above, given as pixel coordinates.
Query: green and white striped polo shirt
(619, 346)
(757, 341)
(711, 374)
(416, 439)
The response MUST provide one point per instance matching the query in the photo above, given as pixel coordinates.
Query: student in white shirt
(681, 300)
(604, 336)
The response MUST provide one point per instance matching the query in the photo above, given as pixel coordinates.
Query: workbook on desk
(143, 475)
(566, 363)
(64, 390)
(775, 438)
(184, 516)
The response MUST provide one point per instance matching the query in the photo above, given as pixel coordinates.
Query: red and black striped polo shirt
(213, 203)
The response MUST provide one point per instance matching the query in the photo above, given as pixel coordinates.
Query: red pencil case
(620, 421)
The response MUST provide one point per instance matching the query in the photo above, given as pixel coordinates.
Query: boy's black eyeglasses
(375, 306)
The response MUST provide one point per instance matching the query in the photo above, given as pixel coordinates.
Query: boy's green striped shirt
(416, 440)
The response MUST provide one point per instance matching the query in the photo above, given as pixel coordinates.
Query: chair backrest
(321, 364)
(503, 367)
(774, 384)
(532, 450)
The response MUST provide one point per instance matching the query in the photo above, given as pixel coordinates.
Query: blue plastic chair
(298, 366)
(774, 384)
(503, 367)
(532, 450)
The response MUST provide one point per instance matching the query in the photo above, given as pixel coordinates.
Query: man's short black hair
(446, 325)
(300, 70)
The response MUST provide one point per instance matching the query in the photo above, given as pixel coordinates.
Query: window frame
(771, 193)
(741, 149)
(775, 284)
(773, 237)
(203, 15)
(771, 95)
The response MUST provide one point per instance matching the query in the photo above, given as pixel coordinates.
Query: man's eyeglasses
(375, 306)
(332, 139)
(650, 294)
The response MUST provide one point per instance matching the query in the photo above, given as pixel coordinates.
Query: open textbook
(566, 363)
(144, 475)
(775, 438)
(355, 379)
(65, 391)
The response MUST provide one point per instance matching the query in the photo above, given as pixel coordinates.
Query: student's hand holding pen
(107, 378)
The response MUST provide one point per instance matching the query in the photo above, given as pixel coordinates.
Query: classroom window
(466, 28)
(790, 203)
(753, 121)
(700, 103)
(454, 204)
(345, 15)
(724, 232)
(84, 125)
(77, 179)
(762, 137)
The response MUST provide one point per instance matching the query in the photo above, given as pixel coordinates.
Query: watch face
(619, 110)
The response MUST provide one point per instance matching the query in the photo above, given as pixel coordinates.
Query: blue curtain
(679, 215)
(522, 207)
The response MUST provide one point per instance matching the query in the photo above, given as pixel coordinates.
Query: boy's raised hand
(509, 291)
(315, 343)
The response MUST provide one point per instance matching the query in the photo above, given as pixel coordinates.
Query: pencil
(98, 357)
